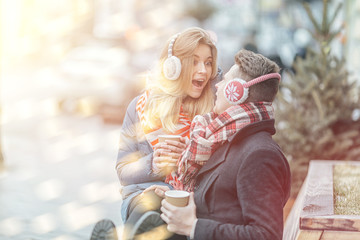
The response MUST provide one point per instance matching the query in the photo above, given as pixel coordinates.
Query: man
(241, 189)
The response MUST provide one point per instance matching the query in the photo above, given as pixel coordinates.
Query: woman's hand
(158, 189)
(180, 220)
(166, 155)
(163, 163)
(176, 148)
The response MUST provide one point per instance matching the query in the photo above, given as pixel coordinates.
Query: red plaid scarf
(209, 132)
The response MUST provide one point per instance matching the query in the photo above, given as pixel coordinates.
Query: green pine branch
(323, 32)
(318, 96)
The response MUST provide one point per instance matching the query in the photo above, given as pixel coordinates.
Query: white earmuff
(172, 65)
(236, 91)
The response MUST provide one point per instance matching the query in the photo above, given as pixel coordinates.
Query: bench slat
(340, 235)
(309, 235)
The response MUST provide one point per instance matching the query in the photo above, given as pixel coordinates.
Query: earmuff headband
(261, 79)
(171, 44)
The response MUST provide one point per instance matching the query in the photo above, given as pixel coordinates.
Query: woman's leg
(144, 221)
(143, 215)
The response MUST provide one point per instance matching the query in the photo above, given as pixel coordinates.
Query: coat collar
(266, 125)
(220, 154)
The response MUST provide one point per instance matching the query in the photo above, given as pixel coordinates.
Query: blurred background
(68, 70)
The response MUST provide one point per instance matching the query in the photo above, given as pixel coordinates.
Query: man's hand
(180, 220)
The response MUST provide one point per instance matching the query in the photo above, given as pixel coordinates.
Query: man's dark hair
(253, 65)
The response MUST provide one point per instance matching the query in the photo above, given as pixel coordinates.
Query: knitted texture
(209, 132)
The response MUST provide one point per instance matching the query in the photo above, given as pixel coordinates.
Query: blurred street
(60, 177)
(68, 70)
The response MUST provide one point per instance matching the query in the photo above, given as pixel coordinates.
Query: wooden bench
(312, 215)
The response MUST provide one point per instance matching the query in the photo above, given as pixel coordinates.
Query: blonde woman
(179, 90)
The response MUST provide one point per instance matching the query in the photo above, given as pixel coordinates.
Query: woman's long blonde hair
(168, 96)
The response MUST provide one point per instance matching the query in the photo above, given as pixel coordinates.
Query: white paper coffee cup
(177, 198)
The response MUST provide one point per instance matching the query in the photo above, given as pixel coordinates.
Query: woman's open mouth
(198, 83)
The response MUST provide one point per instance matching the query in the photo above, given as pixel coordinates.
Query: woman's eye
(209, 63)
(195, 62)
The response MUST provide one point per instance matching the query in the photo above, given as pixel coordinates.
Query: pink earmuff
(236, 91)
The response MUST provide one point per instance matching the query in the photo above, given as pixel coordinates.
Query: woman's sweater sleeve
(134, 163)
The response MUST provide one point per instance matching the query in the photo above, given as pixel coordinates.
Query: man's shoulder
(259, 143)
(254, 141)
